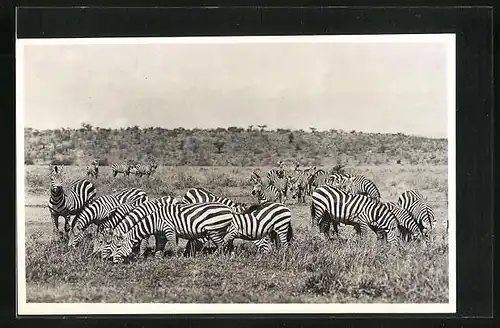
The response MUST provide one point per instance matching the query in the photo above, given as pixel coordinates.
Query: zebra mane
(254, 207)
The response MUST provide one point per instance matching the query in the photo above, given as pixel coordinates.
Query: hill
(234, 146)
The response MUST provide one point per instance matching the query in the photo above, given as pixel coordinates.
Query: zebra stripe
(407, 225)
(100, 208)
(122, 219)
(67, 201)
(193, 221)
(356, 184)
(331, 206)
(202, 195)
(260, 221)
(122, 167)
(130, 195)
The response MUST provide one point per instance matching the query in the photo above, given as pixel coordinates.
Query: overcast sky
(370, 87)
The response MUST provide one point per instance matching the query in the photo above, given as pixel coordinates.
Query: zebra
(421, 210)
(69, 201)
(144, 169)
(331, 206)
(266, 193)
(192, 221)
(356, 184)
(99, 209)
(298, 186)
(122, 167)
(318, 178)
(114, 228)
(259, 221)
(202, 195)
(407, 225)
(93, 169)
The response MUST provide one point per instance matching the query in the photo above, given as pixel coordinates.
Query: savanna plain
(313, 269)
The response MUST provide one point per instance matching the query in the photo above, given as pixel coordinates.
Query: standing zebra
(93, 169)
(259, 221)
(407, 225)
(298, 186)
(99, 209)
(421, 210)
(122, 167)
(318, 178)
(265, 193)
(144, 169)
(193, 221)
(122, 219)
(356, 184)
(66, 202)
(331, 206)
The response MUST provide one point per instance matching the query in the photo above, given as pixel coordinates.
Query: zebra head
(56, 183)
(76, 234)
(258, 187)
(101, 242)
(293, 187)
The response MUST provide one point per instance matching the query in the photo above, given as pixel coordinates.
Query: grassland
(313, 270)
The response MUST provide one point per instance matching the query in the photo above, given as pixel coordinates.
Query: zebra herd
(342, 198)
(127, 168)
(126, 218)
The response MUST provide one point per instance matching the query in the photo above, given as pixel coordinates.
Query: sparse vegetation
(313, 270)
(229, 147)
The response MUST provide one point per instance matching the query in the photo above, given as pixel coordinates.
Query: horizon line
(255, 128)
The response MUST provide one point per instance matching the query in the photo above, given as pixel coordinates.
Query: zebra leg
(143, 246)
(171, 243)
(217, 237)
(160, 241)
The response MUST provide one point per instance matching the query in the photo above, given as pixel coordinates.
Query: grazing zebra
(122, 167)
(122, 219)
(144, 169)
(202, 195)
(99, 209)
(407, 225)
(260, 221)
(356, 184)
(278, 179)
(192, 221)
(66, 202)
(266, 193)
(93, 169)
(415, 203)
(331, 206)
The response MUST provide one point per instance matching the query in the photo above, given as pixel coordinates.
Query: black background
(474, 32)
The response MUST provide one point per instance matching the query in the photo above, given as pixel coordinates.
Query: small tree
(262, 127)
(219, 145)
(313, 130)
(290, 138)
